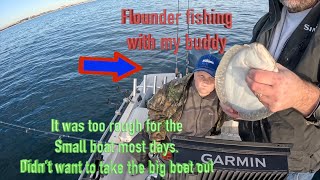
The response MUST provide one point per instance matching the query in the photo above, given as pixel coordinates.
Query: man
(290, 33)
(191, 100)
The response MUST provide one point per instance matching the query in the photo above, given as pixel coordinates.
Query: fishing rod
(48, 133)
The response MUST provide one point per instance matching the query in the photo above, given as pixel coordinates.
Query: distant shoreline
(43, 13)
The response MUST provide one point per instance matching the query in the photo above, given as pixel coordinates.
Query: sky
(14, 10)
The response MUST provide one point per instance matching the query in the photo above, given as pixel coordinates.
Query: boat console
(233, 160)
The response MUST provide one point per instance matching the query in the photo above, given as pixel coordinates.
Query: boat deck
(136, 110)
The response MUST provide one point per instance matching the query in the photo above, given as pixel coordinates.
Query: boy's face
(204, 83)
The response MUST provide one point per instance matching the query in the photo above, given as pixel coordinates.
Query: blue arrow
(121, 67)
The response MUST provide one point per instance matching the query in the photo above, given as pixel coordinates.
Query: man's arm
(309, 100)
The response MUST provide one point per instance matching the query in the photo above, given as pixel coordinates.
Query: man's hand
(283, 90)
(229, 111)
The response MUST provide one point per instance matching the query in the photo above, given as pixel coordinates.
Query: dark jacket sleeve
(315, 116)
(155, 106)
(258, 27)
(156, 112)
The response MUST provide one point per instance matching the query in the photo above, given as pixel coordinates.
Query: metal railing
(117, 113)
(119, 110)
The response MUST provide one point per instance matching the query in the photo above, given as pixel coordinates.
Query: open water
(39, 77)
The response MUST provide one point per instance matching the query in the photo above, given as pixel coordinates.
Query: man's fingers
(265, 100)
(280, 67)
(233, 115)
(258, 87)
(226, 108)
(263, 92)
(261, 76)
(229, 111)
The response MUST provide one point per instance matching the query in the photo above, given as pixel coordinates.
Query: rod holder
(154, 84)
(165, 80)
(134, 90)
(144, 84)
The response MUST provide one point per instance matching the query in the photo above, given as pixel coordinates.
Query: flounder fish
(231, 86)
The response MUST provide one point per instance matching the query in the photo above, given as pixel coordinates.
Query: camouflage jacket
(168, 103)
